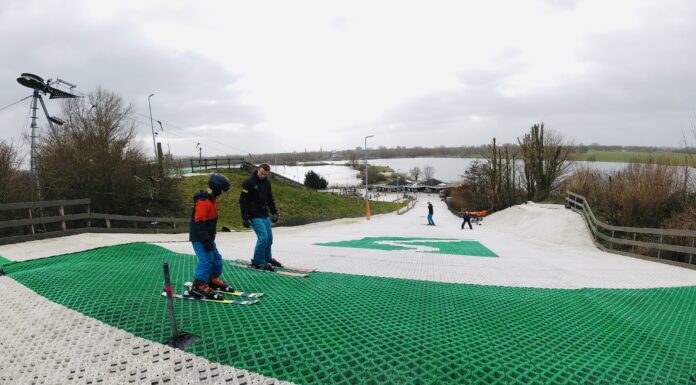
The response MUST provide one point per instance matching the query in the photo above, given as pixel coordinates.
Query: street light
(398, 205)
(367, 202)
(152, 126)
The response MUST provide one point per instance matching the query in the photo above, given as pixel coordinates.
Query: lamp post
(367, 202)
(152, 126)
(398, 205)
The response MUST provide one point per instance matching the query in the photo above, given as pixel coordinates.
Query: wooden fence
(675, 247)
(204, 164)
(40, 220)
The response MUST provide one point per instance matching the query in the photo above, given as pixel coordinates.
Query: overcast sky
(271, 76)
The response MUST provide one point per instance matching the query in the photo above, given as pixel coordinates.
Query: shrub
(313, 180)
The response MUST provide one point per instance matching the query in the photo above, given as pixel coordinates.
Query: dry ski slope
(541, 246)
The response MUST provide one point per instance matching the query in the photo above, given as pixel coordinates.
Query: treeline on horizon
(358, 154)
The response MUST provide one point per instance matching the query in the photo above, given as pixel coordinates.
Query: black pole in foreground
(179, 340)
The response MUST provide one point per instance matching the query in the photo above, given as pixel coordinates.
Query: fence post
(693, 243)
(192, 166)
(611, 243)
(89, 216)
(633, 247)
(108, 223)
(659, 251)
(33, 230)
(61, 211)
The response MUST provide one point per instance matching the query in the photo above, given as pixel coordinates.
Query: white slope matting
(46, 343)
(544, 246)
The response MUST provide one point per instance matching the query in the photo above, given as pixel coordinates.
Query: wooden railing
(40, 220)
(204, 164)
(664, 245)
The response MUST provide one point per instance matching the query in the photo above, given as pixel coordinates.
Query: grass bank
(296, 205)
(659, 157)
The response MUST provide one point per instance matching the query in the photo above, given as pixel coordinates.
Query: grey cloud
(190, 89)
(641, 90)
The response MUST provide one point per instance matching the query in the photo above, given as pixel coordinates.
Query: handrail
(578, 203)
(80, 222)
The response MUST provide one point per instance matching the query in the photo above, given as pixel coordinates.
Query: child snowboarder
(202, 236)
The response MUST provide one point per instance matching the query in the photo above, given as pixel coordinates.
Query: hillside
(296, 205)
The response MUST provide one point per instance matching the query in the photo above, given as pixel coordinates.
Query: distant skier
(467, 220)
(430, 215)
(202, 236)
(255, 200)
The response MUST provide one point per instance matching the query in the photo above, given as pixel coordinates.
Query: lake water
(448, 170)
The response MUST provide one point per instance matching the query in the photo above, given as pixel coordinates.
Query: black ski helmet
(218, 183)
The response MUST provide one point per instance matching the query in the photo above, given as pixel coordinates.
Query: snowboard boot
(201, 290)
(274, 262)
(262, 266)
(218, 284)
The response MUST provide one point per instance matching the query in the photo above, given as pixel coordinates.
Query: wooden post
(61, 211)
(633, 247)
(192, 165)
(659, 251)
(31, 227)
(108, 223)
(611, 243)
(89, 221)
(693, 243)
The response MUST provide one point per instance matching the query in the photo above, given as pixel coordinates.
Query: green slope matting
(425, 245)
(4, 261)
(349, 329)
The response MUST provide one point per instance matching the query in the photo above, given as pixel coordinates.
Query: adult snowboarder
(255, 200)
(467, 220)
(202, 236)
(430, 215)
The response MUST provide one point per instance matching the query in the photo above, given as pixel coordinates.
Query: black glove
(246, 223)
(208, 245)
(274, 218)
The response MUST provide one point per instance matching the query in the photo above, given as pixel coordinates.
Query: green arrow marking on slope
(421, 245)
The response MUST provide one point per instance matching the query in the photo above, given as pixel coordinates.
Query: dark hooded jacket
(256, 198)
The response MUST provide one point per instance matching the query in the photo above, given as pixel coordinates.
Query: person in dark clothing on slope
(430, 215)
(255, 201)
(467, 219)
(202, 236)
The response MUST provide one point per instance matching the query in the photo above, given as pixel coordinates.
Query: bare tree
(14, 183)
(428, 172)
(415, 172)
(95, 155)
(545, 156)
(353, 157)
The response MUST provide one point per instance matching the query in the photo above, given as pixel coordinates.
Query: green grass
(296, 205)
(632, 157)
(341, 329)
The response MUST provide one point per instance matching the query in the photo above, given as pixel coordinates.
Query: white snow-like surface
(544, 246)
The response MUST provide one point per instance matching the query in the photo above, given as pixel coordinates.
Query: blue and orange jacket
(203, 217)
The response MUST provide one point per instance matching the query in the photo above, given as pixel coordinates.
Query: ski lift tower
(40, 87)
